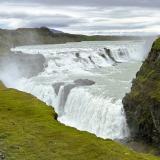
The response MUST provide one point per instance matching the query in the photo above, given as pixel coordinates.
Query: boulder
(84, 82)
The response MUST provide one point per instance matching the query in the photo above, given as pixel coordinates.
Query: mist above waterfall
(18, 65)
(9, 74)
(86, 81)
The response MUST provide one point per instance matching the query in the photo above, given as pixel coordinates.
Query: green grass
(2, 86)
(156, 45)
(29, 131)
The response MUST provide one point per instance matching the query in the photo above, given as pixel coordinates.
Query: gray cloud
(31, 20)
(143, 3)
(58, 21)
(85, 16)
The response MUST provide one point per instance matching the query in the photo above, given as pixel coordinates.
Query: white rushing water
(94, 107)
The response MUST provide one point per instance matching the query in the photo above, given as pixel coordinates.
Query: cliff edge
(142, 104)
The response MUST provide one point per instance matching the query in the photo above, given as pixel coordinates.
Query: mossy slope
(29, 131)
(2, 85)
(142, 104)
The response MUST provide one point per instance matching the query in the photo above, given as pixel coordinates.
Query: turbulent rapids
(85, 82)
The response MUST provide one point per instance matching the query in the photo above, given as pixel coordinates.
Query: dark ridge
(142, 104)
(43, 35)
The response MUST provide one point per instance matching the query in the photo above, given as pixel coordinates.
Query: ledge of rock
(142, 104)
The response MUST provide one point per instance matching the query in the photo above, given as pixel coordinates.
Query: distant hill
(43, 35)
(53, 30)
(56, 31)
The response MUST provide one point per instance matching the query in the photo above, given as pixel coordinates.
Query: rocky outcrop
(142, 104)
(109, 54)
(83, 82)
(77, 83)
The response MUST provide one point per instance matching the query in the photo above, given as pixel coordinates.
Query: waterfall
(96, 114)
(85, 83)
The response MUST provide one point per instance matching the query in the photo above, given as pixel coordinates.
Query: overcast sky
(83, 16)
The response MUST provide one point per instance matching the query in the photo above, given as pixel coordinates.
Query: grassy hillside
(2, 86)
(29, 131)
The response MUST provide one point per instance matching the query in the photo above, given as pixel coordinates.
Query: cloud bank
(83, 17)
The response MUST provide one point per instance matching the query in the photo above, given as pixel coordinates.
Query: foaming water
(86, 81)
(96, 114)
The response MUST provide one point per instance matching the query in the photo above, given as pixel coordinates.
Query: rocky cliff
(142, 104)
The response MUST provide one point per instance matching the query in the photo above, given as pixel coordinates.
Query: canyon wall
(142, 104)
